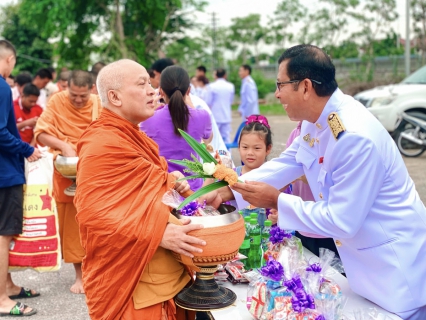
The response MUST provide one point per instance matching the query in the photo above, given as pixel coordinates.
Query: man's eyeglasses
(280, 84)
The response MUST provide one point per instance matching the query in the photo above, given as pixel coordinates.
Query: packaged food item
(258, 299)
(235, 271)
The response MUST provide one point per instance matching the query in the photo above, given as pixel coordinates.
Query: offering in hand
(209, 169)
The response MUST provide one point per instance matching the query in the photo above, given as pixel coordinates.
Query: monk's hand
(175, 238)
(35, 156)
(68, 151)
(180, 186)
(258, 194)
(273, 216)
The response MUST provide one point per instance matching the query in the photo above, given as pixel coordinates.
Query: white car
(387, 102)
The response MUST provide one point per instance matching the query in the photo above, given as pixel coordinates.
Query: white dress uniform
(249, 98)
(365, 200)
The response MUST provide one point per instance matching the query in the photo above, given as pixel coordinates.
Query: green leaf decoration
(196, 176)
(181, 162)
(198, 148)
(203, 191)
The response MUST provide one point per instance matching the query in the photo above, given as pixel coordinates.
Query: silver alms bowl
(67, 166)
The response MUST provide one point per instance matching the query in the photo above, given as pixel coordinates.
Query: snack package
(280, 238)
(256, 298)
(235, 271)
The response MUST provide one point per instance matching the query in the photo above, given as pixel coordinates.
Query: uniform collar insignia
(335, 124)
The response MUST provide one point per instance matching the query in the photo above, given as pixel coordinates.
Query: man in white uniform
(219, 98)
(364, 196)
(249, 96)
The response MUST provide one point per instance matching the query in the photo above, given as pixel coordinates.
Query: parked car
(388, 102)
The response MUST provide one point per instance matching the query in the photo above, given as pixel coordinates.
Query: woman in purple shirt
(176, 114)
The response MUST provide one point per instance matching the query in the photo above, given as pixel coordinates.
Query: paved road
(57, 303)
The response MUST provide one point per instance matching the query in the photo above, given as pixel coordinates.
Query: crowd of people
(121, 120)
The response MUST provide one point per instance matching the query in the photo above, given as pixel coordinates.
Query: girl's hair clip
(258, 118)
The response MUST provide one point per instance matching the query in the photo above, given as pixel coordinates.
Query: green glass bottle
(245, 247)
(265, 238)
(255, 253)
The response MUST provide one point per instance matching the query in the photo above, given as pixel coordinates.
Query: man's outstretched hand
(258, 194)
(175, 238)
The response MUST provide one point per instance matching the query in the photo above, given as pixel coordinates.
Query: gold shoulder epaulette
(335, 124)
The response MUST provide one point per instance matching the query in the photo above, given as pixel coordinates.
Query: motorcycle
(411, 141)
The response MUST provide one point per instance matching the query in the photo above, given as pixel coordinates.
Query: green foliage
(112, 29)
(264, 86)
(418, 8)
(348, 49)
(189, 52)
(248, 31)
(287, 13)
(33, 49)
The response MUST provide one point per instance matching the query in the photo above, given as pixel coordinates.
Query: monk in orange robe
(129, 271)
(67, 115)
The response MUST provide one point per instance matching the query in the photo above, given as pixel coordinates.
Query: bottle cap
(253, 221)
(253, 215)
(268, 223)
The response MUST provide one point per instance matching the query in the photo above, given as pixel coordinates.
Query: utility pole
(214, 50)
(407, 38)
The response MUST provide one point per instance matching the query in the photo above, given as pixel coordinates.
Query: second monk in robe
(129, 271)
(67, 115)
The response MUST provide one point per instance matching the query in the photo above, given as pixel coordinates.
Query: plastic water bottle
(245, 247)
(265, 238)
(255, 253)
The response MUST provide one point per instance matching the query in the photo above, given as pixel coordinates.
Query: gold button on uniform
(338, 243)
(318, 125)
(320, 195)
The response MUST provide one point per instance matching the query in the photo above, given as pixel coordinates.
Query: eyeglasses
(280, 84)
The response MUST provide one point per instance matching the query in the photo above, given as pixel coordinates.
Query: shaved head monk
(67, 115)
(129, 271)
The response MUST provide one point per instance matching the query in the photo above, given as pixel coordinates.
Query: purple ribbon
(320, 317)
(315, 267)
(191, 208)
(300, 300)
(273, 270)
(277, 235)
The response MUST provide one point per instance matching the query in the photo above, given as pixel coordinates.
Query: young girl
(254, 145)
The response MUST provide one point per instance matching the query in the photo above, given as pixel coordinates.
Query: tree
(374, 18)
(33, 50)
(189, 52)
(328, 23)
(419, 25)
(287, 13)
(112, 28)
(247, 31)
(347, 49)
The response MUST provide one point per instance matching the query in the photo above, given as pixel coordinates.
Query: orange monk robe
(121, 180)
(67, 123)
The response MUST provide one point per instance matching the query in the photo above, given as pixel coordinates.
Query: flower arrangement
(210, 169)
